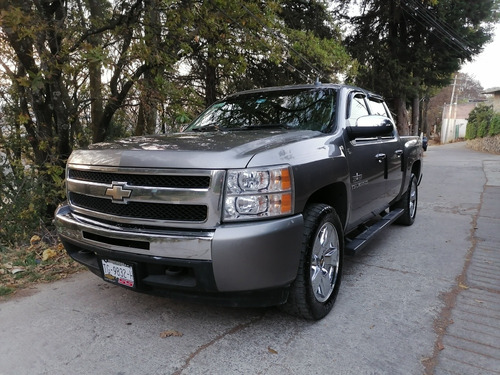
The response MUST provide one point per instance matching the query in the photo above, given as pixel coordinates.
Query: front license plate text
(118, 272)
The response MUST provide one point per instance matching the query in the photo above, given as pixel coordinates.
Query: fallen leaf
(271, 350)
(440, 346)
(479, 301)
(47, 254)
(463, 286)
(170, 333)
(35, 240)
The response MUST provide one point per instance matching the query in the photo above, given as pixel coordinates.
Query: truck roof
(305, 86)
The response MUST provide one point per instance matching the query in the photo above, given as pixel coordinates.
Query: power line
(442, 38)
(441, 24)
(443, 31)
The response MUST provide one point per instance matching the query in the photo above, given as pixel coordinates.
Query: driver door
(366, 166)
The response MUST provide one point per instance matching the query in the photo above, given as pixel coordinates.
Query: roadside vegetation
(77, 72)
(483, 130)
(483, 122)
(43, 260)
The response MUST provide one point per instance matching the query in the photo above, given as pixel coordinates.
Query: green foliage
(4, 290)
(77, 72)
(479, 122)
(494, 125)
(471, 130)
(27, 199)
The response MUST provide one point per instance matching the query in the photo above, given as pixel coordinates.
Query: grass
(38, 262)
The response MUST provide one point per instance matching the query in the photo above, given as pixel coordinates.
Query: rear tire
(408, 203)
(313, 293)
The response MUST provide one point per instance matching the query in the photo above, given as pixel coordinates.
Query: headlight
(258, 193)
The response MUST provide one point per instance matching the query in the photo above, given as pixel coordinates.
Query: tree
(405, 47)
(49, 51)
(74, 72)
(242, 45)
(313, 48)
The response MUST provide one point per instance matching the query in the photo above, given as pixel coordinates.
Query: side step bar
(354, 245)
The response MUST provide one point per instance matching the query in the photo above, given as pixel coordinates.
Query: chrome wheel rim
(413, 199)
(325, 258)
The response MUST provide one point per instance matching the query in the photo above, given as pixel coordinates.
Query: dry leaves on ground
(39, 262)
(171, 333)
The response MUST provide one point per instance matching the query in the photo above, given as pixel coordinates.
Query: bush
(28, 197)
(479, 120)
(494, 125)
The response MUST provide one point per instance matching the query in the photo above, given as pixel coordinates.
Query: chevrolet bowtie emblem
(118, 192)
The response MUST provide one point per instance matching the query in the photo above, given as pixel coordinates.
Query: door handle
(381, 158)
(398, 152)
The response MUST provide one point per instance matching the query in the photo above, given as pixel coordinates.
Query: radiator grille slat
(141, 210)
(168, 181)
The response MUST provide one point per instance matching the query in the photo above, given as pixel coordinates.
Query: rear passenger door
(391, 147)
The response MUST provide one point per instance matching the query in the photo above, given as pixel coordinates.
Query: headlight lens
(258, 193)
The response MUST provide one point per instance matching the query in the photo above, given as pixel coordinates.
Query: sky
(486, 66)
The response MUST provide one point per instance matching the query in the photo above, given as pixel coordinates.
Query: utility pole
(444, 135)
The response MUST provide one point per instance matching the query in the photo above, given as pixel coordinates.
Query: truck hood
(214, 150)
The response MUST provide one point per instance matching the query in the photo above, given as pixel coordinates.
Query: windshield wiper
(208, 128)
(267, 126)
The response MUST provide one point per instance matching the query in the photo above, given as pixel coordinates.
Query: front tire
(313, 293)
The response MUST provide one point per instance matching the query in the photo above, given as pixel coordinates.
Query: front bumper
(244, 264)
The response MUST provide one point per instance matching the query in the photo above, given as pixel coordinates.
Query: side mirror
(370, 127)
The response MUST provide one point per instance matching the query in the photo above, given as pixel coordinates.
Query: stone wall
(486, 144)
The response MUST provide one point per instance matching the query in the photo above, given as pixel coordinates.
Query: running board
(353, 246)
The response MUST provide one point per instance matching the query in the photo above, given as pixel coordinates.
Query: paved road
(420, 299)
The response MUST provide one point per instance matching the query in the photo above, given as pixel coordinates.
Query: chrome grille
(154, 211)
(172, 181)
(155, 197)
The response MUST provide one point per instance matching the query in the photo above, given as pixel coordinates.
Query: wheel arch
(334, 195)
(416, 169)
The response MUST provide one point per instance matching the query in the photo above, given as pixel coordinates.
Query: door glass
(357, 109)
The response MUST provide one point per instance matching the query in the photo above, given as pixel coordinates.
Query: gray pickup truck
(254, 204)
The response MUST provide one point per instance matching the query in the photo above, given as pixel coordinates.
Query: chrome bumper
(168, 245)
(243, 257)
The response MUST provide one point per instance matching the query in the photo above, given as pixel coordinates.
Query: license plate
(118, 272)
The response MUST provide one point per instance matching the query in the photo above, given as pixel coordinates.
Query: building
(495, 91)
(455, 119)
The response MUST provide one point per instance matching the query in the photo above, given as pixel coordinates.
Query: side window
(378, 108)
(357, 108)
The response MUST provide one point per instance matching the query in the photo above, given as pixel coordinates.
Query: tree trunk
(95, 78)
(114, 103)
(425, 123)
(148, 112)
(402, 115)
(415, 112)
(210, 76)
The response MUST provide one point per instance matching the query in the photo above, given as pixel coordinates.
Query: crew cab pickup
(255, 203)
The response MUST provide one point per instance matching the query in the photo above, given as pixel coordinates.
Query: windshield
(308, 109)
